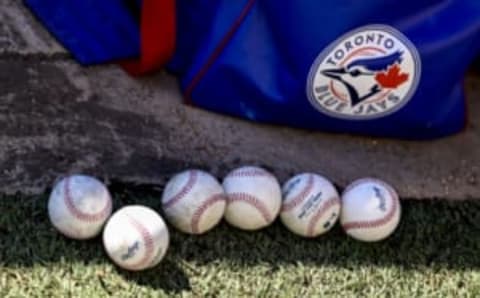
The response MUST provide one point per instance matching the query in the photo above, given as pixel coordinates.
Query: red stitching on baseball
(300, 197)
(201, 210)
(148, 241)
(102, 214)
(192, 178)
(249, 172)
(326, 206)
(249, 199)
(379, 222)
(157, 258)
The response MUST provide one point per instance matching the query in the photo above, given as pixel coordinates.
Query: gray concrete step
(57, 117)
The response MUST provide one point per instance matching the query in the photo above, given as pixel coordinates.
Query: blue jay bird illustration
(354, 76)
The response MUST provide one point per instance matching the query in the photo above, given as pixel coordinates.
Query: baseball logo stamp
(370, 210)
(310, 205)
(136, 238)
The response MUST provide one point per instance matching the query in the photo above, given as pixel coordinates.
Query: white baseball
(370, 210)
(193, 201)
(310, 205)
(253, 198)
(136, 238)
(78, 206)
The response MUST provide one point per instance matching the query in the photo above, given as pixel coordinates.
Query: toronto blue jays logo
(368, 73)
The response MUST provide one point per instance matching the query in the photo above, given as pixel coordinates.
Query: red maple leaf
(392, 78)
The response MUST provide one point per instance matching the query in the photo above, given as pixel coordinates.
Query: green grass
(435, 252)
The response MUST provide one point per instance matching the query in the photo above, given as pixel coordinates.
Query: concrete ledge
(21, 34)
(57, 117)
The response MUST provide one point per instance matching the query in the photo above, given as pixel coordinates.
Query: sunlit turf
(435, 252)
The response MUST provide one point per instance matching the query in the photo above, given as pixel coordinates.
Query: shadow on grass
(431, 234)
(438, 234)
(27, 239)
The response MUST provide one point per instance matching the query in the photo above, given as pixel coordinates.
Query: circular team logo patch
(367, 73)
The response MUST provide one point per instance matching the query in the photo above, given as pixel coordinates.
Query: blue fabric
(263, 71)
(275, 66)
(93, 31)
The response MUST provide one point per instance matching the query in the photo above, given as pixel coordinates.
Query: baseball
(136, 238)
(193, 201)
(310, 205)
(79, 206)
(253, 198)
(370, 210)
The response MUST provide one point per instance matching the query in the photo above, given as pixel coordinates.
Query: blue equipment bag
(93, 31)
(374, 67)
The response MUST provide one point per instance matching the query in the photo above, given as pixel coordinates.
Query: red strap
(157, 37)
